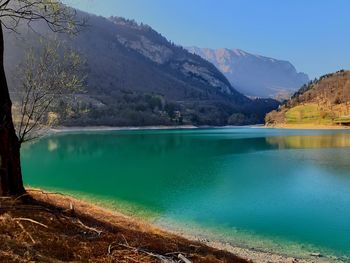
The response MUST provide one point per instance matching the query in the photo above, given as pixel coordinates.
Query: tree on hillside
(59, 18)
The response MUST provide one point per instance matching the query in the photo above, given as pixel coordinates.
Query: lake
(282, 190)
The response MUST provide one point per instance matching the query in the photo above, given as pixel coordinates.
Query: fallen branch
(89, 228)
(114, 244)
(184, 259)
(25, 231)
(174, 253)
(110, 247)
(71, 205)
(126, 242)
(30, 220)
(162, 258)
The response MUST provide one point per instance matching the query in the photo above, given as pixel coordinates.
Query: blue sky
(312, 34)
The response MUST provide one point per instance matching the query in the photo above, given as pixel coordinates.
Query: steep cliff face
(153, 46)
(254, 75)
(135, 76)
(325, 101)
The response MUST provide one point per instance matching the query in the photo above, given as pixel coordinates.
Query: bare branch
(46, 76)
(59, 17)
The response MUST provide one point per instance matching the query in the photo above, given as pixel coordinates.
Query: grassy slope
(325, 102)
(307, 114)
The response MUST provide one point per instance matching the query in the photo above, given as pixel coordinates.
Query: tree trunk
(11, 183)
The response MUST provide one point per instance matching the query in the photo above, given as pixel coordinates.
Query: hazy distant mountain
(254, 75)
(137, 77)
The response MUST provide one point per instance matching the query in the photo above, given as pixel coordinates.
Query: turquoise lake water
(286, 190)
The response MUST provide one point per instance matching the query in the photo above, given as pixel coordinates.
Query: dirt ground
(43, 227)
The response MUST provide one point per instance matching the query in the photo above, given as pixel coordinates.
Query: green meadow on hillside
(308, 114)
(323, 102)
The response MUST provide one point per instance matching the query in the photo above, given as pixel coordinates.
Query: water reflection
(310, 141)
(52, 145)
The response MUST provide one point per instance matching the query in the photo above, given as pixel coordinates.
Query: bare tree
(59, 18)
(46, 76)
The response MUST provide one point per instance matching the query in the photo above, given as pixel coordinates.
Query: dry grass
(45, 227)
(326, 102)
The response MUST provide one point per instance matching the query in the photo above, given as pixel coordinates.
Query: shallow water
(260, 187)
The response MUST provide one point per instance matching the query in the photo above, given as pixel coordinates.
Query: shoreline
(119, 128)
(256, 255)
(64, 129)
(42, 226)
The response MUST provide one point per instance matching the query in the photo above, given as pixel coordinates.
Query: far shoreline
(64, 129)
(67, 129)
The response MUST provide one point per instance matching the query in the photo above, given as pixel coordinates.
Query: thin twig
(110, 247)
(184, 259)
(126, 242)
(89, 228)
(160, 257)
(25, 231)
(30, 220)
(114, 244)
(175, 253)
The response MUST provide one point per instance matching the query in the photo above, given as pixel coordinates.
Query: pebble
(316, 255)
(291, 260)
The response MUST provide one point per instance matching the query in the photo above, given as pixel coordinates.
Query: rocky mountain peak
(254, 75)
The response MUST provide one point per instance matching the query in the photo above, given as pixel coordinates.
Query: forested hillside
(136, 77)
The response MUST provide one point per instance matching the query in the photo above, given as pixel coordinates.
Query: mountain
(135, 76)
(325, 101)
(255, 75)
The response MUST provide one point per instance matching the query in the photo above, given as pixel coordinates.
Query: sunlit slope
(323, 102)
